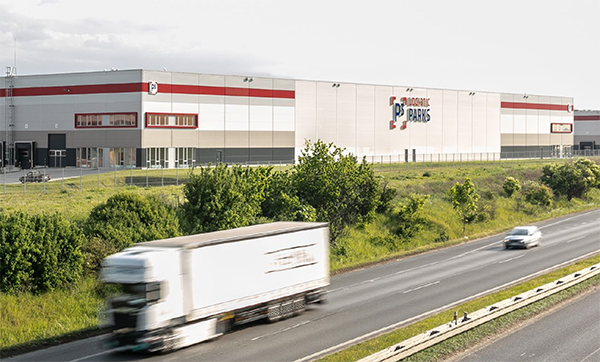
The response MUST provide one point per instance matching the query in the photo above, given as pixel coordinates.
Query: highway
(569, 333)
(377, 299)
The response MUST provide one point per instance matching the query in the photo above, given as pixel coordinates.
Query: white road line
(92, 355)
(511, 259)
(582, 237)
(569, 218)
(394, 326)
(420, 287)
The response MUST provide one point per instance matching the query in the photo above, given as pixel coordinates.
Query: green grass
(34, 319)
(369, 347)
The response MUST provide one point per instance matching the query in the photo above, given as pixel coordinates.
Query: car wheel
(506, 246)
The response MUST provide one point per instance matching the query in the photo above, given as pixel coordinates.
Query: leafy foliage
(386, 195)
(223, 197)
(128, 218)
(573, 179)
(464, 201)
(38, 253)
(342, 190)
(511, 185)
(281, 202)
(408, 221)
(537, 194)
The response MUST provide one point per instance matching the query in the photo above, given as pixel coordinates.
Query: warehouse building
(587, 131)
(145, 118)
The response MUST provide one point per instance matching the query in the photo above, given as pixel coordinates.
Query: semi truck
(184, 290)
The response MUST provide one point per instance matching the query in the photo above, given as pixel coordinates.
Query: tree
(572, 179)
(223, 197)
(342, 190)
(511, 185)
(128, 218)
(38, 253)
(464, 201)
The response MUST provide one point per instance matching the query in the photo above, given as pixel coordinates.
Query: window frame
(100, 115)
(168, 115)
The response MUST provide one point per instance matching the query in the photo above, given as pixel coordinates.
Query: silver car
(523, 237)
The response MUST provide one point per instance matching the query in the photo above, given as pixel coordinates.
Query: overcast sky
(536, 47)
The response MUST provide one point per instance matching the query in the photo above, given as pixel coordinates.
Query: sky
(528, 46)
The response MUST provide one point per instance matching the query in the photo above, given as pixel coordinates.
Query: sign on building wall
(152, 88)
(408, 109)
(561, 128)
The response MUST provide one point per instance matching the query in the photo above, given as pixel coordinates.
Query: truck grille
(124, 320)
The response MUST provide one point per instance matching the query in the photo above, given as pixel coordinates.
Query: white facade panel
(480, 123)
(283, 119)
(211, 117)
(261, 118)
(450, 123)
(435, 127)
(384, 138)
(305, 113)
(365, 120)
(465, 122)
(493, 122)
(236, 117)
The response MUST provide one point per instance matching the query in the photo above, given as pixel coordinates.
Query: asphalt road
(373, 300)
(570, 333)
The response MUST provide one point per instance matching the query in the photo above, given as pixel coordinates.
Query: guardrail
(427, 339)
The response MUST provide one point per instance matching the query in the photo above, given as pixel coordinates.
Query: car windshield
(518, 232)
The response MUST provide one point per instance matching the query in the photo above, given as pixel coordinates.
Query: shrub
(386, 195)
(511, 185)
(281, 201)
(572, 179)
(408, 221)
(537, 194)
(128, 218)
(38, 253)
(342, 190)
(223, 197)
(464, 201)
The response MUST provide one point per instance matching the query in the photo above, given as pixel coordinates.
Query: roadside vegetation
(51, 244)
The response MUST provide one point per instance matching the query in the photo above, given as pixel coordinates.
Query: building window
(90, 157)
(122, 157)
(157, 157)
(105, 120)
(171, 120)
(185, 157)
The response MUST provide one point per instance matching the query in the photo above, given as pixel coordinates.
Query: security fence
(48, 179)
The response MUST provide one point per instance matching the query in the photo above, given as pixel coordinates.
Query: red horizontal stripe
(588, 118)
(143, 87)
(521, 105)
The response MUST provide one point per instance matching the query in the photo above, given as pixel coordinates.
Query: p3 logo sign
(416, 110)
(152, 88)
(397, 112)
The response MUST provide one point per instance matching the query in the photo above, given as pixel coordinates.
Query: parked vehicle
(34, 176)
(184, 290)
(523, 237)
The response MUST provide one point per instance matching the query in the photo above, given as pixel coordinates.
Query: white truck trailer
(184, 290)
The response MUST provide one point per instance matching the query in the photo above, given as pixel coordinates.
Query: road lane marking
(511, 259)
(579, 238)
(394, 326)
(421, 287)
(92, 355)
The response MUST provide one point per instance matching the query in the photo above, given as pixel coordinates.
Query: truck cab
(150, 299)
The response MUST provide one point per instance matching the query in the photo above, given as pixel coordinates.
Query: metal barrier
(468, 321)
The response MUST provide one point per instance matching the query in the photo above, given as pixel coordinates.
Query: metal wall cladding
(357, 117)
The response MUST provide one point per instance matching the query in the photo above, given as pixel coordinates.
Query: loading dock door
(24, 154)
